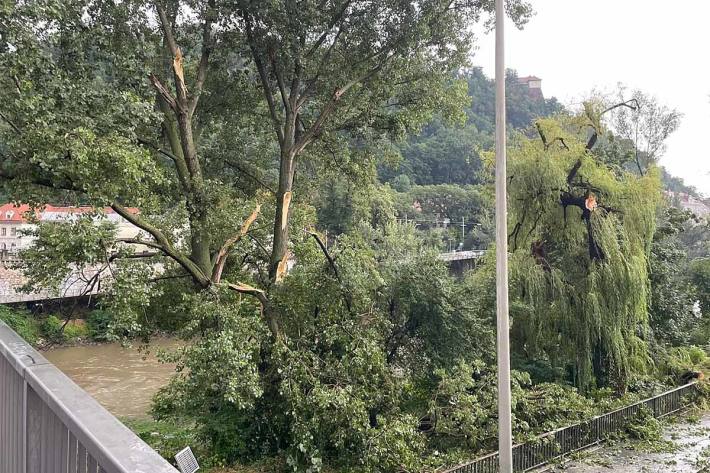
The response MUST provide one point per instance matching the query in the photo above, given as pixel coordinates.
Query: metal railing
(552, 445)
(48, 424)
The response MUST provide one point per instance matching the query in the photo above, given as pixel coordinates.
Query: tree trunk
(287, 169)
(279, 253)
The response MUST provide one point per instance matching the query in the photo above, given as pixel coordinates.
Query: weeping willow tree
(580, 243)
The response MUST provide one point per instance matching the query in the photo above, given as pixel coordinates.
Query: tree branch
(45, 182)
(142, 254)
(573, 172)
(241, 169)
(164, 92)
(627, 104)
(260, 295)
(330, 107)
(285, 99)
(334, 268)
(178, 72)
(221, 257)
(336, 18)
(138, 241)
(165, 245)
(207, 46)
(264, 80)
(9, 122)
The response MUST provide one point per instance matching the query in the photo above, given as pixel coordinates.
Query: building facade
(16, 220)
(533, 85)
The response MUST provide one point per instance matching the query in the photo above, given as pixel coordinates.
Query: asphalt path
(690, 453)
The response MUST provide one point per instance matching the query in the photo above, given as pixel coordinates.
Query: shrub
(76, 329)
(52, 329)
(98, 324)
(21, 322)
(674, 362)
(645, 426)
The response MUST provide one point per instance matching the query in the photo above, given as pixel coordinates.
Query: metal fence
(557, 443)
(48, 424)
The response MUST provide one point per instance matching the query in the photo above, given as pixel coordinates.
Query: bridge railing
(48, 424)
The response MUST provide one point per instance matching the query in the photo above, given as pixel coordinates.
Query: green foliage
(327, 392)
(672, 316)
(579, 278)
(98, 323)
(700, 275)
(369, 357)
(447, 154)
(59, 246)
(439, 210)
(56, 330)
(52, 329)
(344, 205)
(675, 362)
(76, 330)
(22, 322)
(645, 427)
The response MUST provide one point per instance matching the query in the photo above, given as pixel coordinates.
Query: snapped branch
(221, 257)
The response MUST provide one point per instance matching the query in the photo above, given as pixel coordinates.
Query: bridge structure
(78, 284)
(48, 424)
(461, 261)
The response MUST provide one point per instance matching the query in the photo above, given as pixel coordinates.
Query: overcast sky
(658, 46)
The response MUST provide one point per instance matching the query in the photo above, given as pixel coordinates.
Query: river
(123, 380)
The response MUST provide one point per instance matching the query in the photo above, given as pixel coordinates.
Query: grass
(43, 330)
(22, 323)
(168, 437)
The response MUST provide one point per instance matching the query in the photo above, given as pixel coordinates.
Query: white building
(14, 219)
(12, 222)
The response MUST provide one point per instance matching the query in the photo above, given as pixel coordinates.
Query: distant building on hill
(688, 202)
(533, 85)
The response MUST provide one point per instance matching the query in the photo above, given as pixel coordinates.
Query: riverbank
(48, 330)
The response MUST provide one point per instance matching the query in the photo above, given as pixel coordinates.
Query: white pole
(505, 441)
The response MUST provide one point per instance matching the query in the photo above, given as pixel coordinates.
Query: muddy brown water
(122, 379)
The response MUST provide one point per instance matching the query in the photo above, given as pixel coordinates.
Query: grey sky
(658, 46)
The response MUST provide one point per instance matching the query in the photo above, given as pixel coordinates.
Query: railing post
(33, 432)
(25, 387)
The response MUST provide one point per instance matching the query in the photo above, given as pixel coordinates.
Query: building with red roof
(16, 219)
(533, 84)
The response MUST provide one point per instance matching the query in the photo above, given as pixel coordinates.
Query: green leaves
(61, 248)
(580, 275)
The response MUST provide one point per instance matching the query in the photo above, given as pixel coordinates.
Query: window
(3, 232)
(13, 231)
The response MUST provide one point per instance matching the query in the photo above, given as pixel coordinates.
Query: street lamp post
(505, 442)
